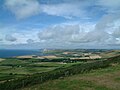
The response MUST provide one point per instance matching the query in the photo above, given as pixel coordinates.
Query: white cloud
(71, 34)
(59, 33)
(23, 8)
(66, 10)
(105, 30)
(116, 33)
(13, 35)
(10, 38)
(107, 21)
(30, 41)
(27, 8)
(110, 24)
(94, 36)
(79, 33)
(25, 37)
(68, 36)
(110, 3)
(1, 39)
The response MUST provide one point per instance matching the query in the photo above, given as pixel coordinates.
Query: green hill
(100, 79)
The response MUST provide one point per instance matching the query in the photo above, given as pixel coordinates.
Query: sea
(12, 53)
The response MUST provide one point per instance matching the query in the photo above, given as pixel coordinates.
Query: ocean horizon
(6, 53)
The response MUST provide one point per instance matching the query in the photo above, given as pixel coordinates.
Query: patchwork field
(14, 68)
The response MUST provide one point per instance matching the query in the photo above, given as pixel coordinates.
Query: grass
(16, 62)
(101, 79)
(71, 85)
(13, 68)
(49, 64)
(4, 76)
(24, 70)
(30, 69)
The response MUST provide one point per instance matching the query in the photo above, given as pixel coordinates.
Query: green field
(101, 79)
(14, 68)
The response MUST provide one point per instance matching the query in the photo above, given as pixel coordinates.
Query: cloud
(110, 25)
(110, 5)
(30, 41)
(116, 33)
(97, 36)
(103, 30)
(1, 39)
(79, 35)
(10, 38)
(66, 10)
(59, 33)
(73, 34)
(23, 8)
(106, 30)
(86, 33)
(107, 21)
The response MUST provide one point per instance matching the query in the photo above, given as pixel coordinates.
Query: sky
(60, 24)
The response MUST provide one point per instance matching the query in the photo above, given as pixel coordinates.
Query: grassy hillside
(100, 79)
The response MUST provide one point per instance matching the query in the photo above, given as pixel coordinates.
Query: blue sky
(35, 24)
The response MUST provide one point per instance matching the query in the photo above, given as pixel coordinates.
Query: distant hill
(110, 53)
